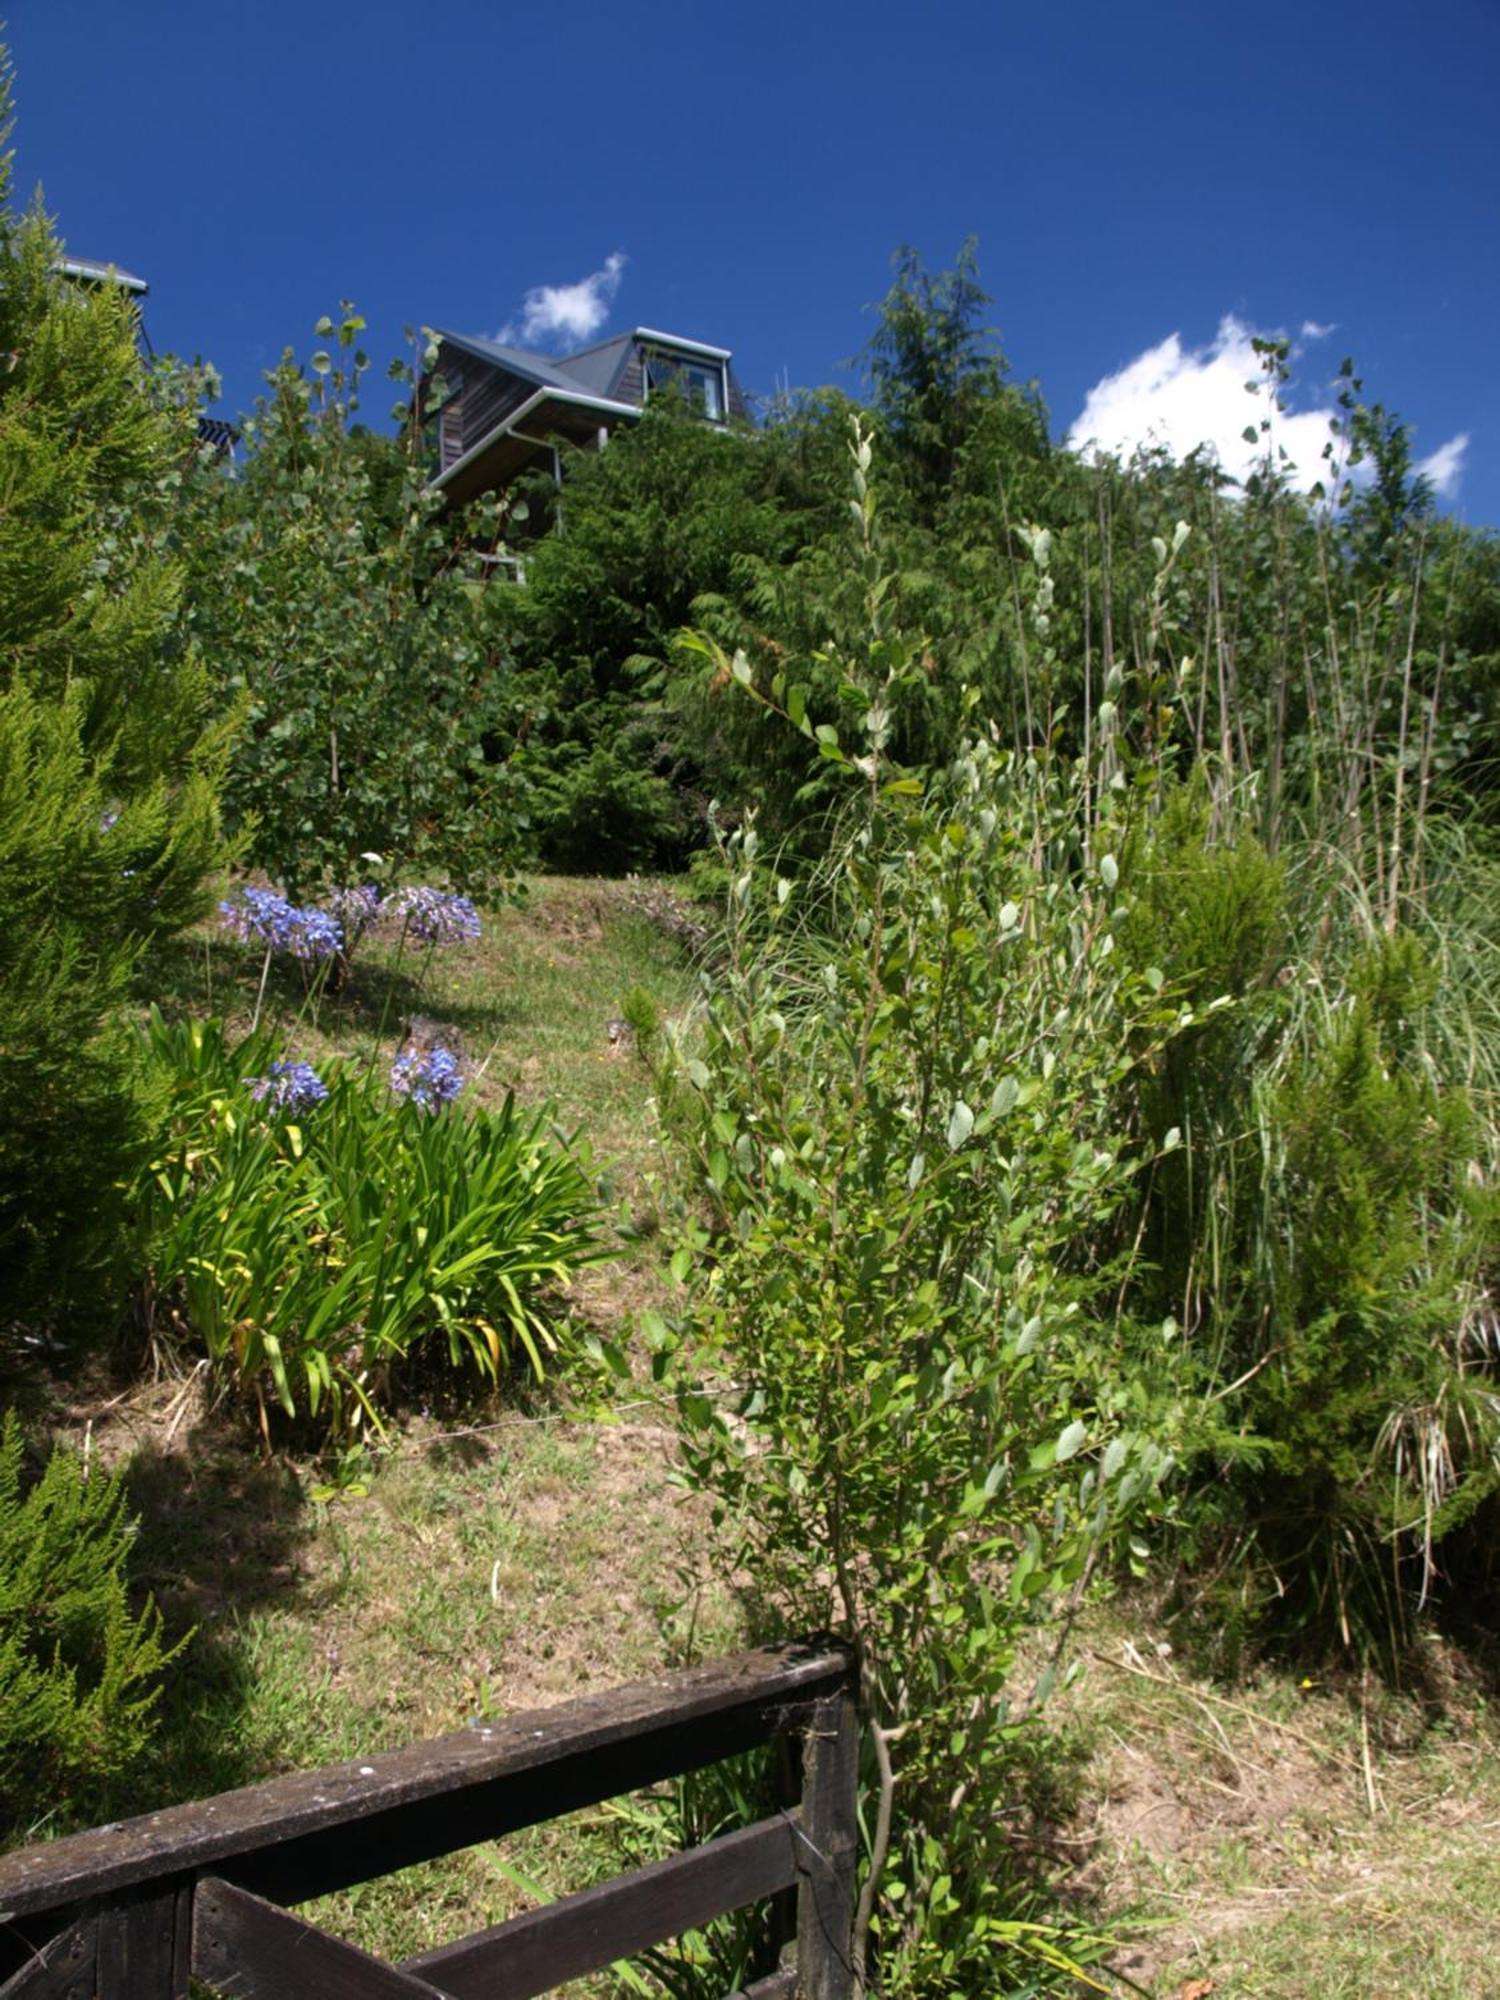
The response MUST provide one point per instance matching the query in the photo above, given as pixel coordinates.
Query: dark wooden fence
(200, 1892)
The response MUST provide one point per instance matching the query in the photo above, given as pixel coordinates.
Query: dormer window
(698, 377)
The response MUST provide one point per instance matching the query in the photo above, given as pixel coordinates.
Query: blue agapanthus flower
(429, 1077)
(260, 916)
(314, 934)
(288, 1086)
(436, 916)
(355, 910)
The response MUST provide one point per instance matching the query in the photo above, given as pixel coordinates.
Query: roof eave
(603, 404)
(687, 346)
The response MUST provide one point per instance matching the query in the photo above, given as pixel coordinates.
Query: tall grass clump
(1327, 1236)
(1325, 1239)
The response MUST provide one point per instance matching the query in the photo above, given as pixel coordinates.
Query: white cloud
(1187, 397)
(568, 313)
(1316, 329)
(1445, 466)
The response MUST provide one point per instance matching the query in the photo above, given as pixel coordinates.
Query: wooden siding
(630, 383)
(451, 420)
(492, 396)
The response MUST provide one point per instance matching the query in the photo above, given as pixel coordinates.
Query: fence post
(830, 1844)
(145, 1944)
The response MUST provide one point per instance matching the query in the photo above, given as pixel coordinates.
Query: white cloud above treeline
(1184, 398)
(563, 315)
(1445, 466)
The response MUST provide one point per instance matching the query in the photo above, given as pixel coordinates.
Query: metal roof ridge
(681, 340)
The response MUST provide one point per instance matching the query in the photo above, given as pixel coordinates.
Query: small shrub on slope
(78, 1667)
(904, 1113)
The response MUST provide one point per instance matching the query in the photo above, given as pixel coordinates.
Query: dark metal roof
(573, 396)
(531, 367)
(598, 367)
(594, 369)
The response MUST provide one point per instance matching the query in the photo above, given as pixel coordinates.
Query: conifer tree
(108, 759)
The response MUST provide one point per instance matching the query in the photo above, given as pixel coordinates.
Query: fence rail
(138, 1910)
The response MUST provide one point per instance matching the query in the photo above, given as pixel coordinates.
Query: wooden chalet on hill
(507, 409)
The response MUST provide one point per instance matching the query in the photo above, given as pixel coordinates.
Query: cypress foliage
(108, 759)
(78, 1666)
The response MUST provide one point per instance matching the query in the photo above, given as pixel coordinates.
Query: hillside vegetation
(1044, 1147)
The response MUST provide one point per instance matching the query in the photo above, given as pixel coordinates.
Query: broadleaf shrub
(348, 619)
(313, 1230)
(903, 1110)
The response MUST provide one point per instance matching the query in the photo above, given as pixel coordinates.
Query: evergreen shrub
(79, 1667)
(108, 761)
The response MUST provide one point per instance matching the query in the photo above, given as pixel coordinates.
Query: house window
(700, 381)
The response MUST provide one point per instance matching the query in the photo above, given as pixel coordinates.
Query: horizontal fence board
(580, 1934)
(254, 1951)
(64, 1969)
(312, 1832)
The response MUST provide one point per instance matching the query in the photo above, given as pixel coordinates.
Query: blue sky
(1148, 184)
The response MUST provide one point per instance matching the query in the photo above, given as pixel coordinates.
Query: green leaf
(1071, 1442)
(960, 1125)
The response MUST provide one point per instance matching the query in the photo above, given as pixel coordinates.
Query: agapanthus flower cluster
(356, 911)
(315, 934)
(260, 916)
(429, 1077)
(435, 915)
(288, 1086)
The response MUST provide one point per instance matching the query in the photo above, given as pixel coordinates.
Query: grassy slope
(1282, 1839)
(503, 1554)
(1262, 1837)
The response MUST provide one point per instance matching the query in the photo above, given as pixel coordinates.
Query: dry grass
(1279, 1838)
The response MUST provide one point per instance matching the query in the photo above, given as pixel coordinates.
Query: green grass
(479, 1575)
(507, 1551)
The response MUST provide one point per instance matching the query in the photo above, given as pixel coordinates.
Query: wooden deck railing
(137, 1910)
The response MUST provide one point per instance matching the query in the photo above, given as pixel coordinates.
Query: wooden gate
(202, 1892)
